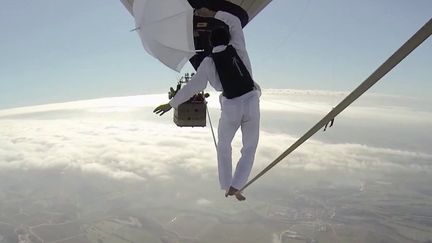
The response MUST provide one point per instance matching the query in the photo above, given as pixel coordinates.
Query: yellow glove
(162, 109)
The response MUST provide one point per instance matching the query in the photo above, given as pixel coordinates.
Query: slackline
(211, 127)
(416, 40)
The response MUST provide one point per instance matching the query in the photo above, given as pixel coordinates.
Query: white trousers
(241, 112)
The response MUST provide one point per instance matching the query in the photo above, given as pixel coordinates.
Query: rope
(211, 126)
(419, 37)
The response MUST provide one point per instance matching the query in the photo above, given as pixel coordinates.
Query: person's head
(220, 36)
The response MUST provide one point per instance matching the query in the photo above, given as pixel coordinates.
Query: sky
(55, 51)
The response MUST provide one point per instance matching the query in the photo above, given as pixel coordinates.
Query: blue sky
(53, 51)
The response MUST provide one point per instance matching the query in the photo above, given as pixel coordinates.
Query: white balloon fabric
(166, 30)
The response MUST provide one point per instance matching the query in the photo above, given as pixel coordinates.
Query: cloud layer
(120, 138)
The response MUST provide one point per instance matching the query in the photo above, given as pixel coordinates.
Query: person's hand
(162, 109)
(205, 12)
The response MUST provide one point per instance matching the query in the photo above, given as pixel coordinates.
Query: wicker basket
(191, 114)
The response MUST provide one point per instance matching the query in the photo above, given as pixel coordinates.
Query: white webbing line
(388, 65)
(211, 126)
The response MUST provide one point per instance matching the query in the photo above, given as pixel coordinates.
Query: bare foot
(231, 191)
(239, 196)
(235, 192)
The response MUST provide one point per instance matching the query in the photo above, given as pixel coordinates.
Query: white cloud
(276, 239)
(102, 169)
(316, 155)
(139, 148)
(203, 202)
(103, 105)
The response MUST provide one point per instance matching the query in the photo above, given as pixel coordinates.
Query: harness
(233, 74)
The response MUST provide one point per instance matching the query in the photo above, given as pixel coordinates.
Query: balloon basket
(191, 114)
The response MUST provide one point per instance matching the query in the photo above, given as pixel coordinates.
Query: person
(228, 69)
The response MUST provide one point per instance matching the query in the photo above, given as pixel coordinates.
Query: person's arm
(196, 84)
(237, 36)
(235, 28)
